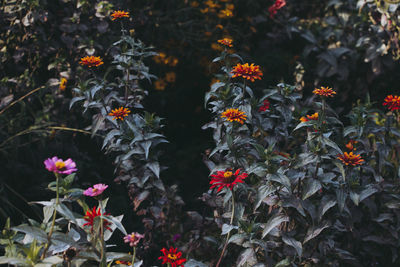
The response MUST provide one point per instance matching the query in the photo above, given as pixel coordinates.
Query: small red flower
(393, 102)
(313, 117)
(172, 257)
(92, 214)
(227, 179)
(265, 106)
(275, 7)
(351, 145)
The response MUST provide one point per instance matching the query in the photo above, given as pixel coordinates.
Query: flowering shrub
(299, 175)
(303, 198)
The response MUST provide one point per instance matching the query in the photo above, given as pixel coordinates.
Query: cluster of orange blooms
(162, 58)
(160, 84)
(215, 7)
(313, 117)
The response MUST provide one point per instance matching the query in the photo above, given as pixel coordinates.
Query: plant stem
(103, 260)
(53, 220)
(133, 257)
(227, 237)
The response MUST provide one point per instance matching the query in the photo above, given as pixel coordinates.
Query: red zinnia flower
(265, 106)
(92, 214)
(393, 102)
(171, 257)
(249, 72)
(227, 179)
(351, 158)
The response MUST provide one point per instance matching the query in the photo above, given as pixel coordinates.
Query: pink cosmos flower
(57, 165)
(133, 239)
(96, 190)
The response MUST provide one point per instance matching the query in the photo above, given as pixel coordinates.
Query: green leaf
(273, 222)
(226, 228)
(154, 167)
(311, 187)
(332, 144)
(76, 99)
(194, 263)
(280, 178)
(283, 263)
(35, 232)
(314, 231)
(262, 192)
(355, 197)
(293, 243)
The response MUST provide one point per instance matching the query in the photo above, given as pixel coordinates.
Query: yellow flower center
(94, 189)
(228, 174)
(172, 256)
(60, 165)
(133, 236)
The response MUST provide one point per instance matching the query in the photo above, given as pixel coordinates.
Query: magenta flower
(133, 239)
(96, 190)
(57, 165)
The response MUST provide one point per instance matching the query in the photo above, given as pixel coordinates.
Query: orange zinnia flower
(249, 72)
(351, 159)
(393, 102)
(63, 84)
(91, 61)
(119, 14)
(234, 114)
(350, 145)
(226, 41)
(313, 117)
(227, 179)
(324, 91)
(119, 113)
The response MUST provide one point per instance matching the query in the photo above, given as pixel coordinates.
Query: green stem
(228, 235)
(54, 218)
(133, 257)
(103, 262)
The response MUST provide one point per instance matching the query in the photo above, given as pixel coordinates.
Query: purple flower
(133, 239)
(57, 165)
(176, 237)
(96, 190)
